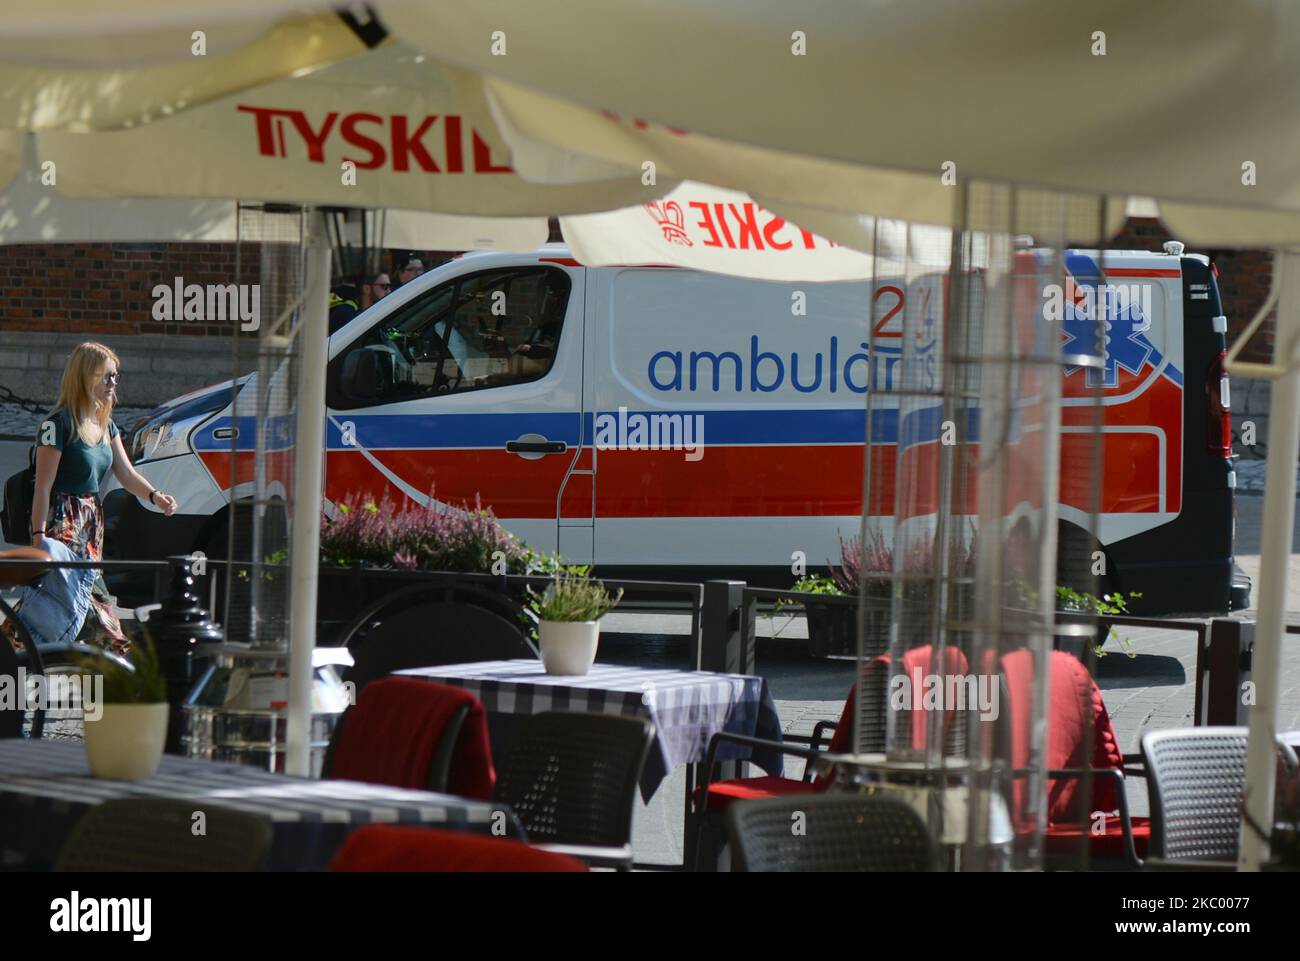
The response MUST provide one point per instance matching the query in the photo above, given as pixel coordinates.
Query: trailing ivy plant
(1108, 605)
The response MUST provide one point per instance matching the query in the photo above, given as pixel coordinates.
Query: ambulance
(672, 424)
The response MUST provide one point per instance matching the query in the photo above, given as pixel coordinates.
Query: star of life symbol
(671, 220)
(1124, 343)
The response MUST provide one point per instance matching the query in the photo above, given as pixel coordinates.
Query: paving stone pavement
(19, 423)
(1250, 475)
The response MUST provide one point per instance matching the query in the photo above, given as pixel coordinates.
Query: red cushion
(1075, 706)
(722, 793)
(390, 847)
(391, 734)
(1062, 840)
(842, 739)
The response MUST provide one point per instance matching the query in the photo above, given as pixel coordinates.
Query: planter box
(344, 593)
(833, 627)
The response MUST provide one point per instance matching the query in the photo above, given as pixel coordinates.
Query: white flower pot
(568, 647)
(126, 743)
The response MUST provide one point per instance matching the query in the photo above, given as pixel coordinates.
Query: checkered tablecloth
(45, 786)
(686, 707)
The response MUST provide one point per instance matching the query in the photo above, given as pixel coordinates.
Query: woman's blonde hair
(76, 389)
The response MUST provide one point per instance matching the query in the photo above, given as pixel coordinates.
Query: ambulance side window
(490, 329)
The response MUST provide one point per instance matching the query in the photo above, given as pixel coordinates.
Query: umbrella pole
(308, 458)
(1279, 517)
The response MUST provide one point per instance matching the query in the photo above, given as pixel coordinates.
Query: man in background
(408, 267)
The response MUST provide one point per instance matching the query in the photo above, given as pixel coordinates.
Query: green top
(82, 466)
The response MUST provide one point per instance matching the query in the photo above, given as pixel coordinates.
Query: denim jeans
(55, 608)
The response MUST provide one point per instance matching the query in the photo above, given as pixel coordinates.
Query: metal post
(175, 629)
(1222, 667)
(309, 452)
(722, 646)
(1279, 517)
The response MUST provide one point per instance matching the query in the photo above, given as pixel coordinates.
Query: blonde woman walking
(76, 446)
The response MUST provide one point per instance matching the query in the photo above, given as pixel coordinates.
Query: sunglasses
(112, 378)
(382, 286)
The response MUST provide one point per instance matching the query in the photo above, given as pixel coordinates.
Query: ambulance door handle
(533, 446)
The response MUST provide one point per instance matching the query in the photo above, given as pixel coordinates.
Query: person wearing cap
(408, 268)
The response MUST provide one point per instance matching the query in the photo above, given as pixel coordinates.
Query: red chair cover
(393, 731)
(1075, 706)
(388, 847)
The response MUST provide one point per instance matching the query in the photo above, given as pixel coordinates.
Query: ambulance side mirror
(368, 374)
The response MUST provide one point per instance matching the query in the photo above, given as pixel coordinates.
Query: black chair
(571, 777)
(155, 834)
(829, 832)
(1197, 780)
(420, 627)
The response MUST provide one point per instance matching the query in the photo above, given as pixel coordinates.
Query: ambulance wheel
(1076, 559)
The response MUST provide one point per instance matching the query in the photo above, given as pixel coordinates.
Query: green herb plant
(141, 683)
(573, 597)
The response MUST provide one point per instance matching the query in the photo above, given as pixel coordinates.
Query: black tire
(1076, 552)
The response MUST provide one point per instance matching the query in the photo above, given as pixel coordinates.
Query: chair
(1198, 779)
(406, 732)
(389, 847)
(875, 681)
(829, 832)
(418, 627)
(153, 834)
(571, 777)
(1077, 716)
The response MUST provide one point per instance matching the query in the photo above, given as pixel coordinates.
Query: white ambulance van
(660, 422)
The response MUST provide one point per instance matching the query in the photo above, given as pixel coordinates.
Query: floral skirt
(77, 520)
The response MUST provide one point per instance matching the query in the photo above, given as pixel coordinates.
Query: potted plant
(569, 614)
(126, 741)
(866, 571)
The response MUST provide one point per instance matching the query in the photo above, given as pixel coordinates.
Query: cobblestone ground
(19, 423)
(1250, 475)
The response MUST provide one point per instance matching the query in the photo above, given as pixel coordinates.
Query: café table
(686, 707)
(45, 786)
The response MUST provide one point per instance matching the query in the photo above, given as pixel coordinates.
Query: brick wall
(105, 290)
(1244, 277)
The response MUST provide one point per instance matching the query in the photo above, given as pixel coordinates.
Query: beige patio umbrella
(1194, 106)
(1106, 100)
